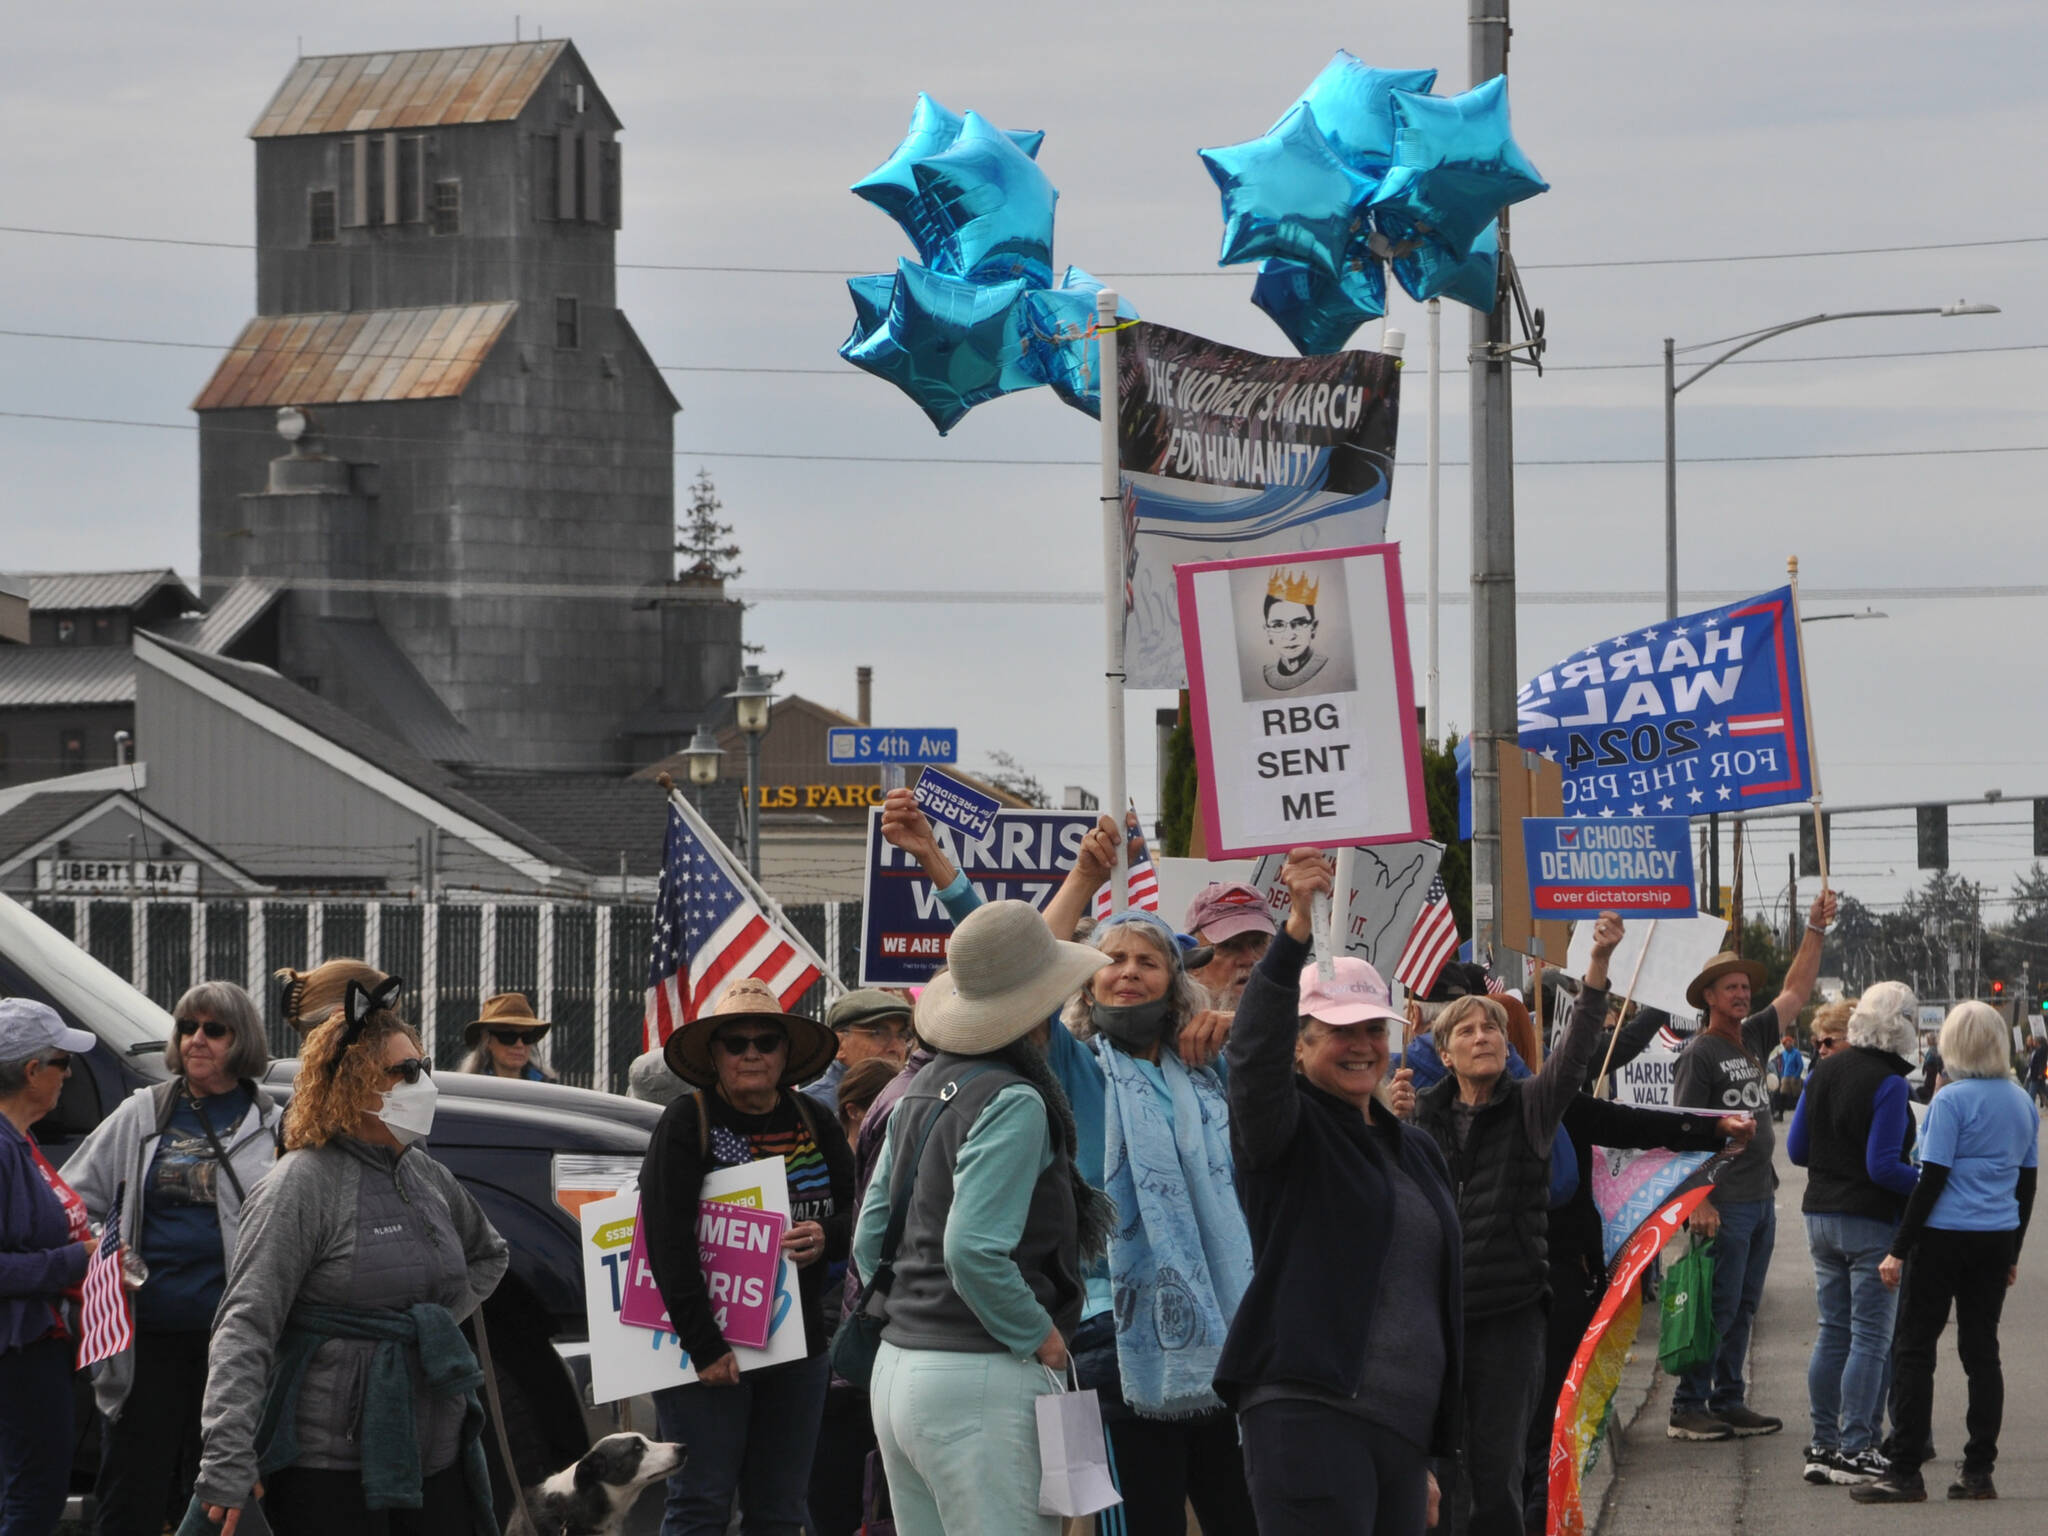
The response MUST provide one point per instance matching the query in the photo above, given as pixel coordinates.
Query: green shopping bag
(1686, 1340)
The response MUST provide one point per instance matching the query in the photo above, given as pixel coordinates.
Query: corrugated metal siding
(41, 676)
(434, 87)
(61, 591)
(346, 358)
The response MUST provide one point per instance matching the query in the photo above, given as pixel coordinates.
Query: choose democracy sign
(1579, 866)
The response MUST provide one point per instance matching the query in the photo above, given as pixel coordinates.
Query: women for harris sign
(1304, 705)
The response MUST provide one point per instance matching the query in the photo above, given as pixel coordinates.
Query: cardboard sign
(904, 929)
(1303, 702)
(1580, 866)
(625, 1360)
(740, 1251)
(1384, 888)
(948, 802)
(1671, 957)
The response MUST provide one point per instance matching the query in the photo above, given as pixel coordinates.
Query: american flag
(1495, 987)
(1142, 887)
(1431, 942)
(104, 1324)
(707, 932)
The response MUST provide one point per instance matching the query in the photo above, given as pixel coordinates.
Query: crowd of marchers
(1317, 1283)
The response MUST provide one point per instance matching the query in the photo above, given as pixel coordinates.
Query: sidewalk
(1665, 1487)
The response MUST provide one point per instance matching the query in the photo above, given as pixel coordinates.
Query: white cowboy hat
(1005, 975)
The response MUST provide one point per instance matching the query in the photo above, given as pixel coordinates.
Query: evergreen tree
(702, 540)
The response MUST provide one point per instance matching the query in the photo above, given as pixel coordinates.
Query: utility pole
(1494, 662)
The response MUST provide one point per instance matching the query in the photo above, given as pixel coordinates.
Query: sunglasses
(517, 1036)
(56, 1063)
(410, 1069)
(739, 1045)
(209, 1027)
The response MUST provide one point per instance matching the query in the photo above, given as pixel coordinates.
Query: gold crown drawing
(1294, 588)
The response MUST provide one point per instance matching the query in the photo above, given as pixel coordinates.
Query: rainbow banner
(1589, 1387)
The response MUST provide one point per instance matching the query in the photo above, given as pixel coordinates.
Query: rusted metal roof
(67, 591)
(44, 676)
(344, 357)
(422, 88)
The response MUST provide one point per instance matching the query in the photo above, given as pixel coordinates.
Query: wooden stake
(1626, 998)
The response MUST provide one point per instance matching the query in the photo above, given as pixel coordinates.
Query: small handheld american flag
(105, 1325)
(1142, 887)
(1431, 943)
(707, 932)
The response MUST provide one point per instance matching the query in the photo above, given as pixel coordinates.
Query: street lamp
(1673, 384)
(702, 757)
(751, 697)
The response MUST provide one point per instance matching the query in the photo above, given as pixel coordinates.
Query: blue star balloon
(890, 186)
(870, 305)
(1456, 165)
(1352, 105)
(948, 343)
(1430, 272)
(1060, 344)
(1319, 313)
(984, 209)
(1287, 195)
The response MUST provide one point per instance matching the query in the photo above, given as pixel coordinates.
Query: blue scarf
(1180, 1256)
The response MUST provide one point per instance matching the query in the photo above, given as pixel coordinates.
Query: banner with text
(903, 927)
(1303, 703)
(1228, 453)
(1578, 868)
(1697, 714)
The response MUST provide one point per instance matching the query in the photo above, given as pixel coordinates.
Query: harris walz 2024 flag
(1693, 715)
(1643, 1199)
(708, 931)
(1227, 453)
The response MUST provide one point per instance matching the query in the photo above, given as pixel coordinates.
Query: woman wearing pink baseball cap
(1344, 1360)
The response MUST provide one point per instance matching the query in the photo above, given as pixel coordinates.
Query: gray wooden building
(470, 417)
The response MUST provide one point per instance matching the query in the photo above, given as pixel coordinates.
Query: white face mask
(408, 1109)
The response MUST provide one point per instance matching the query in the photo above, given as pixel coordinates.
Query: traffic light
(1997, 989)
(1809, 846)
(2041, 840)
(1931, 825)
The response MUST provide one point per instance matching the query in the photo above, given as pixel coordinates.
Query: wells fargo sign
(819, 797)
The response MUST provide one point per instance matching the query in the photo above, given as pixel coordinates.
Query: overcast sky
(1665, 131)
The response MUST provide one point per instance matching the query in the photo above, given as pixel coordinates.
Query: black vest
(923, 1309)
(1840, 1101)
(1503, 1189)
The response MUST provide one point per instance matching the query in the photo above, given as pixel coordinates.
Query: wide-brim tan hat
(1005, 975)
(811, 1045)
(1724, 964)
(507, 1010)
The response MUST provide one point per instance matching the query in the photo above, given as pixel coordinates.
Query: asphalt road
(1665, 1487)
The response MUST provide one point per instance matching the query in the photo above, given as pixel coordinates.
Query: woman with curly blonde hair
(340, 1390)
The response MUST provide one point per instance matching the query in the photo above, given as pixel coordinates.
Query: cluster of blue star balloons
(977, 315)
(1369, 170)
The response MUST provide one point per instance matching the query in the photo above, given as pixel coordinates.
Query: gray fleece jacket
(349, 1225)
(120, 1150)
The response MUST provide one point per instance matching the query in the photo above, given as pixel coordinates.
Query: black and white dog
(593, 1497)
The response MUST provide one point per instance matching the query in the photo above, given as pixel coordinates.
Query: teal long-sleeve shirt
(1006, 1149)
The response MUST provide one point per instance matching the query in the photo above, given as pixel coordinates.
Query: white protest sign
(1384, 887)
(1680, 952)
(626, 1361)
(1647, 1081)
(1302, 701)
(1182, 880)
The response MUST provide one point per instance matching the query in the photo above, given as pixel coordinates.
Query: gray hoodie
(350, 1225)
(120, 1150)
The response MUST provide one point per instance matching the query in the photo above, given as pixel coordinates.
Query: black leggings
(150, 1454)
(308, 1501)
(1163, 1465)
(1316, 1471)
(1966, 1269)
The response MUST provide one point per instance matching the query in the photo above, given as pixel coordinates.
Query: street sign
(1637, 865)
(856, 745)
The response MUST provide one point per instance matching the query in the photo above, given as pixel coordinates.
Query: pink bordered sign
(739, 1248)
(1303, 702)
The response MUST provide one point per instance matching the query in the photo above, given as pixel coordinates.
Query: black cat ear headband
(359, 1003)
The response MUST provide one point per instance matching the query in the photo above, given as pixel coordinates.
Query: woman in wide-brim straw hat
(997, 1223)
(502, 1040)
(754, 1438)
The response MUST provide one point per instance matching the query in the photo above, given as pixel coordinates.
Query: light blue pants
(959, 1441)
(1846, 1378)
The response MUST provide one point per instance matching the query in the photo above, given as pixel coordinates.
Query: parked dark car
(529, 1152)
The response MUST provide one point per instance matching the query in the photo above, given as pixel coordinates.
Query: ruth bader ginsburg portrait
(1293, 630)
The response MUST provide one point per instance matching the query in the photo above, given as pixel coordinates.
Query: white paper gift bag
(1073, 1458)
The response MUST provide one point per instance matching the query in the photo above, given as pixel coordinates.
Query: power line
(753, 269)
(847, 371)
